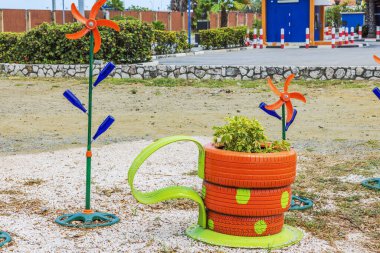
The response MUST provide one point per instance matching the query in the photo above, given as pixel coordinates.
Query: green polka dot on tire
(285, 199)
(260, 227)
(243, 196)
(210, 224)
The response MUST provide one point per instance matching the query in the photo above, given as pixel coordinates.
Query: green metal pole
(283, 123)
(89, 138)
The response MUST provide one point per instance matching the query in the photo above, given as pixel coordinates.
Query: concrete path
(284, 57)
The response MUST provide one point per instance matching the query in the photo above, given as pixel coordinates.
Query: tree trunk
(178, 5)
(224, 18)
(371, 19)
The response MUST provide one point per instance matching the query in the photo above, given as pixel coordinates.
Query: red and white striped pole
(255, 38)
(261, 39)
(360, 32)
(327, 33)
(352, 35)
(340, 36)
(333, 37)
(247, 38)
(377, 32)
(282, 38)
(346, 36)
(307, 38)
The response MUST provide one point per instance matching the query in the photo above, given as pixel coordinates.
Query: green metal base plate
(288, 236)
(4, 238)
(82, 220)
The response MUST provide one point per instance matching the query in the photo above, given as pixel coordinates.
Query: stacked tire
(247, 194)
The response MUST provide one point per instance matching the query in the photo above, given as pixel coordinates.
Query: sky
(47, 4)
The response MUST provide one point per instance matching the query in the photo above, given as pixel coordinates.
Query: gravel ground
(36, 188)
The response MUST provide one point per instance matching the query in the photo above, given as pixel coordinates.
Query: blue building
(294, 16)
(353, 19)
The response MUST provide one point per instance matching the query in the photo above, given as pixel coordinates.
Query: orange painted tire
(245, 226)
(250, 170)
(246, 202)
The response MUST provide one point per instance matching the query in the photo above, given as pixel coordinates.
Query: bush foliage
(47, 44)
(245, 135)
(223, 37)
(166, 42)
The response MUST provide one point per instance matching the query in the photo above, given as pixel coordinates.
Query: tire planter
(247, 194)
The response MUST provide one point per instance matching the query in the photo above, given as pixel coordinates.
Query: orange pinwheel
(91, 24)
(285, 98)
(376, 58)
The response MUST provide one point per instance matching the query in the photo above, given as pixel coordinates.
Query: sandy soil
(42, 165)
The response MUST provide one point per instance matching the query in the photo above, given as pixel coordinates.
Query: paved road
(285, 57)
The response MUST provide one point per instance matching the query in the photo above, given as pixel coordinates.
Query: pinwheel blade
(273, 88)
(287, 82)
(108, 23)
(77, 35)
(377, 59)
(377, 92)
(298, 96)
(77, 15)
(97, 40)
(292, 120)
(74, 100)
(96, 7)
(104, 126)
(104, 73)
(275, 106)
(270, 112)
(289, 111)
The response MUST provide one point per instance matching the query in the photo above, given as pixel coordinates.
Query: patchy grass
(33, 182)
(355, 208)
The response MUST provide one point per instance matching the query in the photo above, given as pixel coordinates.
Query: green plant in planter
(242, 134)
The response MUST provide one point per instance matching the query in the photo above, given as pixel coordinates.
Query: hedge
(46, 44)
(8, 46)
(223, 37)
(166, 42)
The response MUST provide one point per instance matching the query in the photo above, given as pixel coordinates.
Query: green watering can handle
(172, 192)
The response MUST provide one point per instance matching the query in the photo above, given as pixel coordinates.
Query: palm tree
(224, 6)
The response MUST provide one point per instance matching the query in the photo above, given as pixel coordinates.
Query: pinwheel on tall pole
(287, 119)
(373, 183)
(88, 218)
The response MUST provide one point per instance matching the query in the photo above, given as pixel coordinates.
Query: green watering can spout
(172, 192)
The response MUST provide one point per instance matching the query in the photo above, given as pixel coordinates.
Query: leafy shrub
(167, 42)
(223, 37)
(47, 44)
(245, 135)
(158, 25)
(8, 45)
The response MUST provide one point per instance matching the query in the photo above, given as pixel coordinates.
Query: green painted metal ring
(372, 183)
(287, 237)
(87, 220)
(4, 238)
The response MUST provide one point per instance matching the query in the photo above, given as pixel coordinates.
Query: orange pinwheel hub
(285, 98)
(92, 24)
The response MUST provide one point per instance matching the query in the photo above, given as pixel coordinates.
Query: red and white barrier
(346, 36)
(327, 33)
(261, 39)
(333, 37)
(360, 32)
(340, 36)
(247, 41)
(255, 38)
(352, 35)
(377, 32)
(307, 38)
(282, 38)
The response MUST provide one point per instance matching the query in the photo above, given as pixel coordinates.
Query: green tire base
(87, 220)
(287, 237)
(4, 238)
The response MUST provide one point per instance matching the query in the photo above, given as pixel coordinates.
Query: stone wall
(146, 71)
